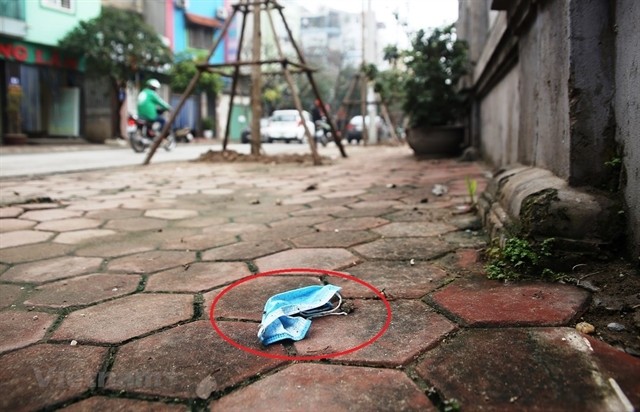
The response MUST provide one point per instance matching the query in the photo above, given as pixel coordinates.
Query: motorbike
(323, 132)
(142, 132)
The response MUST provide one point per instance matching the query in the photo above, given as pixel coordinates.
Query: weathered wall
(544, 112)
(591, 91)
(627, 103)
(499, 121)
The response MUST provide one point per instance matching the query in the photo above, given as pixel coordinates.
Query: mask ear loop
(319, 312)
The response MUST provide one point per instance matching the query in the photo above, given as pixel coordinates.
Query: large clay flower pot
(439, 141)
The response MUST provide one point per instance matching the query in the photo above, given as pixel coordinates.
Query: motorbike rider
(149, 101)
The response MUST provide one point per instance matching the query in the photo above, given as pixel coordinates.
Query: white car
(354, 128)
(287, 126)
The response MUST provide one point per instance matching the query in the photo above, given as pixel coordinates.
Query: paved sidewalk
(107, 280)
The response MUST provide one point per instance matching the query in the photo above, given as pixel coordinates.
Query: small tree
(117, 44)
(435, 64)
(185, 69)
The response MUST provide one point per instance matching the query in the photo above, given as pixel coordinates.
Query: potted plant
(14, 133)
(207, 127)
(432, 100)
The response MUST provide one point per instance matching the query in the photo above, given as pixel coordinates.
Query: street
(77, 158)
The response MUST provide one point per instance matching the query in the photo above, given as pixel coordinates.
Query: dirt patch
(231, 156)
(614, 309)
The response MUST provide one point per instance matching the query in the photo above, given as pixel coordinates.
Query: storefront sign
(36, 54)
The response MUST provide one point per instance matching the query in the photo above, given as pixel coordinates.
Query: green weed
(520, 258)
(472, 187)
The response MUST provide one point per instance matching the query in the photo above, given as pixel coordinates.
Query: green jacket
(148, 100)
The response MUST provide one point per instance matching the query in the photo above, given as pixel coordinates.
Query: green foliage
(207, 123)
(520, 258)
(472, 187)
(186, 68)
(613, 163)
(435, 64)
(118, 44)
(451, 405)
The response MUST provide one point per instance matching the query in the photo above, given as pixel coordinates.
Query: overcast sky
(417, 14)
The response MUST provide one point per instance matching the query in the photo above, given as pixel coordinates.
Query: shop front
(45, 84)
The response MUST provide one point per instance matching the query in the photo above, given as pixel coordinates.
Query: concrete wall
(627, 104)
(556, 86)
(544, 111)
(48, 24)
(499, 121)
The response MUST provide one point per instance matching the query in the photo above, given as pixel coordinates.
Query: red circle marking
(301, 271)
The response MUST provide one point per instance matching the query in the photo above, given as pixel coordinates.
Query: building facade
(556, 100)
(50, 84)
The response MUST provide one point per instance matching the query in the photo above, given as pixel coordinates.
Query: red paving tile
(121, 319)
(306, 387)
(42, 375)
(530, 369)
(201, 362)
(492, 303)
(142, 294)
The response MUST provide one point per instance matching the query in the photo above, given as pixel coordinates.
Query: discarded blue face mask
(287, 315)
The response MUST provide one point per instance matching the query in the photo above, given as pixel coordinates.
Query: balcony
(12, 19)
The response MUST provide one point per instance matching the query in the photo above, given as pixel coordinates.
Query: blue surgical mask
(287, 315)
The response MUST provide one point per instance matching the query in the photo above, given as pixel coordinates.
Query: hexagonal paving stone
(42, 375)
(51, 269)
(27, 253)
(10, 211)
(189, 361)
(121, 319)
(9, 294)
(23, 237)
(135, 224)
(330, 258)
(103, 403)
(82, 290)
(246, 300)
(66, 225)
(149, 262)
(79, 236)
(117, 245)
(414, 328)
(171, 214)
(397, 279)
(343, 238)
(405, 248)
(482, 302)
(19, 329)
(10, 225)
(50, 214)
(245, 250)
(313, 387)
(531, 369)
(197, 277)
(414, 229)
(353, 223)
(363, 212)
(301, 221)
(198, 242)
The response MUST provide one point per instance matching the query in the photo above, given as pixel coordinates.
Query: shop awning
(203, 21)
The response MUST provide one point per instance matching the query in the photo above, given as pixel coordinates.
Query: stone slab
(82, 290)
(189, 361)
(197, 277)
(51, 269)
(531, 369)
(43, 375)
(307, 387)
(121, 319)
(19, 329)
(316, 258)
(481, 302)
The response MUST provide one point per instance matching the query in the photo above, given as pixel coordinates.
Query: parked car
(354, 128)
(287, 126)
(245, 136)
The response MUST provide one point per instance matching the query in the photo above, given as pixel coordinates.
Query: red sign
(42, 55)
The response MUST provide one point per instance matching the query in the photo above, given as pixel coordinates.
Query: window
(64, 5)
(200, 37)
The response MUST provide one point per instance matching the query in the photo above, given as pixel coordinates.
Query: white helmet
(153, 83)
